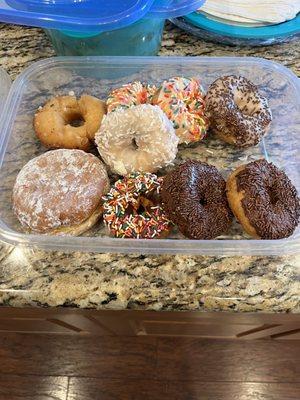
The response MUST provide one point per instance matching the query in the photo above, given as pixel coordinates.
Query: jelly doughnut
(65, 122)
(59, 192)
(194, 198)
(182, 99)
(264, 200)
(137, 139)
(131, 209)
(131, 94)
(238, 113)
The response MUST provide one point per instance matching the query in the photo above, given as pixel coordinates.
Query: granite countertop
(30, 277)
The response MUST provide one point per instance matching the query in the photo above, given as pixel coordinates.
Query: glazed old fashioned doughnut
(182, 99)
(137, 139)
(59, 192)
(264, 200)
(65, 122)
(194, 198)
(131, 94)
(131, 209)
(238, 113)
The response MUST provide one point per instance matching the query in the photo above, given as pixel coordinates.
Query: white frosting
(252, 12)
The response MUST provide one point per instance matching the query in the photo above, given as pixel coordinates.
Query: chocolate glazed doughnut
(194, 198)
(264, 200)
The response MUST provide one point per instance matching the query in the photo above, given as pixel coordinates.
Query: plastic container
(58, 76)
(90, 27)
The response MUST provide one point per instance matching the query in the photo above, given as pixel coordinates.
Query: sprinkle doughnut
(194, 198)
(264, 200)
(132, 210)
(131, 94)
(238, 113)
(65, 122)
(59, 192)
(182, 100)
(137, 139)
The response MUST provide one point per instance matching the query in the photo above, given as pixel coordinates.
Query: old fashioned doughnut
(59, 192)
(182, 99)
(137, 139)
(131, 94)
(65, 122)
(238, 113)
(264, 200)
(131, 209)
(194, 198)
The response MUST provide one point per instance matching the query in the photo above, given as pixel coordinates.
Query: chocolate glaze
(270, 200)
(194, 198)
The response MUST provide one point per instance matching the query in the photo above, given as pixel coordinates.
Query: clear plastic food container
(97, 76)
(91, 27)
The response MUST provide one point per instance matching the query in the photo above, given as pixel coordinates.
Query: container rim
(154, 246)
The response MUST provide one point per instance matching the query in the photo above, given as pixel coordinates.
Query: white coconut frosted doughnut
(60, 192)
(137, 139)
(238, 113)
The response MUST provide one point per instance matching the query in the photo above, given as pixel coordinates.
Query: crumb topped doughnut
(131, 209)
(238, 113)
(65, 122)
(264, 200)
(60, 192)
(194, 198)
(137, 139)
(182, 99)
(131, 94)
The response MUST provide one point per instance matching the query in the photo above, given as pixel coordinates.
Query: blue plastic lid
(90, 15)
(271, 31)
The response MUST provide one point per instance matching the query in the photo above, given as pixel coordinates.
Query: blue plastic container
(98, 27)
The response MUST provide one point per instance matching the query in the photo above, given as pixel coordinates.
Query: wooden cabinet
(134, 323)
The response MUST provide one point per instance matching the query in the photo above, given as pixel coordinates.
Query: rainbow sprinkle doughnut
(131, 94)
(131, 208)
(182, 99)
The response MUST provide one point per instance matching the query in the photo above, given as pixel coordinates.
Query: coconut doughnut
(194, 198)
(131, 94)
(182, 99)
(137, 139)
(264, 200)
(65, 122)
(59, 192)
(131, 209)
(238, 113)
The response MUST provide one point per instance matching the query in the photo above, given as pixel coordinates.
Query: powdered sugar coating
(137, 139)
(59, 188)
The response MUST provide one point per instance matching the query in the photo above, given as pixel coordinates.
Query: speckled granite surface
(36, 278)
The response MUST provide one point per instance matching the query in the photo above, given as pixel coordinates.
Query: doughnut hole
(247, 105)
(75, 119)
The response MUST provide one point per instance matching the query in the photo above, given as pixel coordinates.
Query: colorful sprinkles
(131, 94)
(182, 99)
(131, 209)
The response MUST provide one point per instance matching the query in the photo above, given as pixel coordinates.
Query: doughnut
(194, 198)
(59, 192)
(238, 113)
(65, 122)
(137, 139)
(264, 200)
(182, 100)
(131, 209)
(131, 94)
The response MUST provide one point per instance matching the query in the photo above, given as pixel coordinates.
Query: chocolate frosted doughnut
(238, 113)
(194, 198)
(264, 200)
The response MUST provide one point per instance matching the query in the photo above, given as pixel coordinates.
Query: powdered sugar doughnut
(131, 94)
(182, 99)
(137, 139)
(238, 113)
(60, 192)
